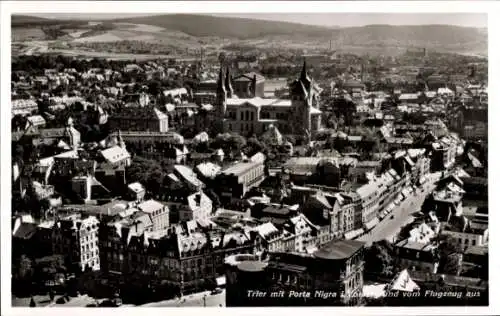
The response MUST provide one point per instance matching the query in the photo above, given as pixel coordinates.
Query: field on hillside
(21, 34)
(174, 37)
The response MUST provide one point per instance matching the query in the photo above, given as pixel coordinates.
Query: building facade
(299, 115)
(236, 180)
(77, 239)
(304, 279)
(139, 119)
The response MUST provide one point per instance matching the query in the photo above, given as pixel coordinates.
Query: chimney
(254, 85)
(197, 198)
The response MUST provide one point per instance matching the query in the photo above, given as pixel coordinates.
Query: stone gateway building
(331, 276)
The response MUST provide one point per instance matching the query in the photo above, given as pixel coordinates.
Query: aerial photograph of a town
(246, 160)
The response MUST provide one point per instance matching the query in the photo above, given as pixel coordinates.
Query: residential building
(477, 256)
(369, 194)
(187, 259)
(158, 212)
(87, 188)
(249, 85)
(77, 238)
(446, 202)
(476, 188)
(444, 153)
(270, 238)
(139, 119)
(150, 137)
(136, 191)
(467, 233)
(422, 233)
(417, 256)
(305, 235)
(336, 211)
(196, 206)
(235, 181)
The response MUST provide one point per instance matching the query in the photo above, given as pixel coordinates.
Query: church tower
(220, 103)
(227, 84)
(121, 143)
(301, 94)
(221, 95)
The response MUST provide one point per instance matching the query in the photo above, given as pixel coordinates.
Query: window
(473, 242)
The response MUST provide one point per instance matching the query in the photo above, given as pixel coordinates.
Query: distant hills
(439, 37)
(207, 25)
(29, 21)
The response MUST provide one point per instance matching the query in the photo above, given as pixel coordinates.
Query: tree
(254, 146)
(381, 258)
(215, 199)
(155, 181)
(51, 295)
(229, 141)
(50, 268)
(154, 87)
(450, 253)
(32, 302)
(25, 270)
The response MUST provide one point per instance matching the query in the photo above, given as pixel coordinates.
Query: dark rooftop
(252, 266)
(337, 250)
(25, 231)
(477, 250)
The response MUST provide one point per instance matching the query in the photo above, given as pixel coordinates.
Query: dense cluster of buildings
(287, 216)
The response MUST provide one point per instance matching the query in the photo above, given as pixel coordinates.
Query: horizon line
(251, 16)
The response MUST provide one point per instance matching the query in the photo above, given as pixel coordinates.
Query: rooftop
(240, 168)
(338, 250)
(477, 250)
(252, 266)
(415, 245)
(150, 206)
(136, 187)
(115, 154)
(258, 102)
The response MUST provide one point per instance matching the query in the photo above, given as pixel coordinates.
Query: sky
(325, 19)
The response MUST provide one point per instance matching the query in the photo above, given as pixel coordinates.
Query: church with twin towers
(297, 115)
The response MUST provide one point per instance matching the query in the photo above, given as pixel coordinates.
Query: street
(388, 228)
(193, 300)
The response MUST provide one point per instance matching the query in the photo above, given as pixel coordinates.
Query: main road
(388, 228)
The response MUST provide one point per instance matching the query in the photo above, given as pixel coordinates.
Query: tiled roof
(208, 169)
(338, 250)
(115, 154)
(265, 229)
(150, 206)
(25, 231)
(136, 187)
